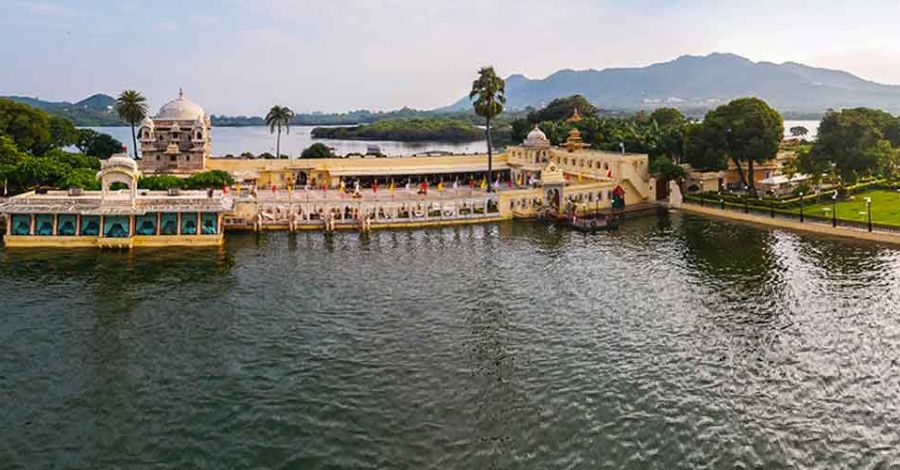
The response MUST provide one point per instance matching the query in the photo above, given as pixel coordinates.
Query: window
(173, 158)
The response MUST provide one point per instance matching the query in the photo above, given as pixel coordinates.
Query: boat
(590, 224)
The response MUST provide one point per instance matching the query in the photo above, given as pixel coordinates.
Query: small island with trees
(433, 129)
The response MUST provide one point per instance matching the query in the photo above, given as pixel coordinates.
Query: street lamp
(801, 207)
(745, 198)
(869, 210)
(834, 209)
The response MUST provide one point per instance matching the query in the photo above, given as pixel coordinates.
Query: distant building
(177, 140)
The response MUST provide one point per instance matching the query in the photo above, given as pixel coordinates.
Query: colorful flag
(483, 183)
(391, 187)
(609, 173)
(375, 186)
(441, 186)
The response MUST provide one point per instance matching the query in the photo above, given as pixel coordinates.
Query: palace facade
(529, 180)
(177, 140)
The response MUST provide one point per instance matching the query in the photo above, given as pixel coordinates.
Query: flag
(483, 184)
(274, 188)
(609, 173)
(225, 189)
(391, 187)
(509, 183)
(375, 186)
(441, 186)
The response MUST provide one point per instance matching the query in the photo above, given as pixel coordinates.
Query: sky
(243, 56)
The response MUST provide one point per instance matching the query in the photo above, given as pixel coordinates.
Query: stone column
(221, 223)
(77, 225)
(199, 229)
(158, 224)
(31, 229)
(178, 221)
(9, 224)
(55, 224)
(131, 221)
(102, 223)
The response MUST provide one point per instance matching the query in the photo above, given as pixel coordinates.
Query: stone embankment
(792, 224)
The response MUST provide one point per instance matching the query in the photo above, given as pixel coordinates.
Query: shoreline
(843, 233)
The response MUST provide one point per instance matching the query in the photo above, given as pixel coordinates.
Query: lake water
(677, 342)
(255, 139)
(237, 140)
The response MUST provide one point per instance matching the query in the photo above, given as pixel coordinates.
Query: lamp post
(801, 207)
(834, 209)
(869, 210)
(745, 198)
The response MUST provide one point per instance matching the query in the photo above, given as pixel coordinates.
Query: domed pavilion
(177, 139)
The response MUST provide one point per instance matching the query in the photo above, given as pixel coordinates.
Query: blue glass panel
(21, 224)
(209, 223)
(90, 225)
(169, 224)
(115, 226)
(145, 224)
(189, 223)
(66, 225)
(43, 225)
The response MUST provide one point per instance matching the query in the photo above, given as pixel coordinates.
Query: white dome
(536, 138)
(119, 160)
(181, 109)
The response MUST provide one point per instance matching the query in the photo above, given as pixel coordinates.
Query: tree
(489, 93)
(83, 178)
(665, 169)
(317, 150)
(212, 179)
(279, 117)
(160, 182)
(132, 107)
(704, 148)
(28, 127)
(561, 109)
(666, 117)
(856, 141)
(750, 131)
(97, 144)
(799, 131)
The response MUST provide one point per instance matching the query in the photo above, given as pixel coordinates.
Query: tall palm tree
(132, 107)
(279, 117)
(489, 93)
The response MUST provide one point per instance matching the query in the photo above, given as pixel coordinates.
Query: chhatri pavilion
(115, 218)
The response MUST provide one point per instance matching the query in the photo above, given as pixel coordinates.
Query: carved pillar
(55, 224)
(178, 221)
(102, 225)
(199, 228)
(158, 223)
(31, 228)
(131, 221)
(77, 225)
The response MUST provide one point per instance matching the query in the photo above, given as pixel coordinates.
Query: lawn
(885, 207)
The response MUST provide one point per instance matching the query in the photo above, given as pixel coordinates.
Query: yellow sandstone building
(530, 180)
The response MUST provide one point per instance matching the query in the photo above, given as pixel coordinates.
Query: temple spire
(180, 93)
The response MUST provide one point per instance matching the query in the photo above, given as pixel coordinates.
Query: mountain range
(693, 84)
(95, 110)
(703, 82)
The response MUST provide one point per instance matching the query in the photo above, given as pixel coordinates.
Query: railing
(774, 212)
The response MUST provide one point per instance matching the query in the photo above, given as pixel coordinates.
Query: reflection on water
(673, 342)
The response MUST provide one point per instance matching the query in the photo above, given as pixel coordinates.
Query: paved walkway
(791, 224)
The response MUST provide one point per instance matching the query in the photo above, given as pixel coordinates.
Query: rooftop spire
(180, 93)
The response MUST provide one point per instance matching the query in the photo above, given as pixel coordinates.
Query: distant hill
(96, 110)
(691, 82)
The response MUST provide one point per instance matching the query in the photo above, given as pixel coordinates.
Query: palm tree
(132, 107)
(489, 93)
(279, 117)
